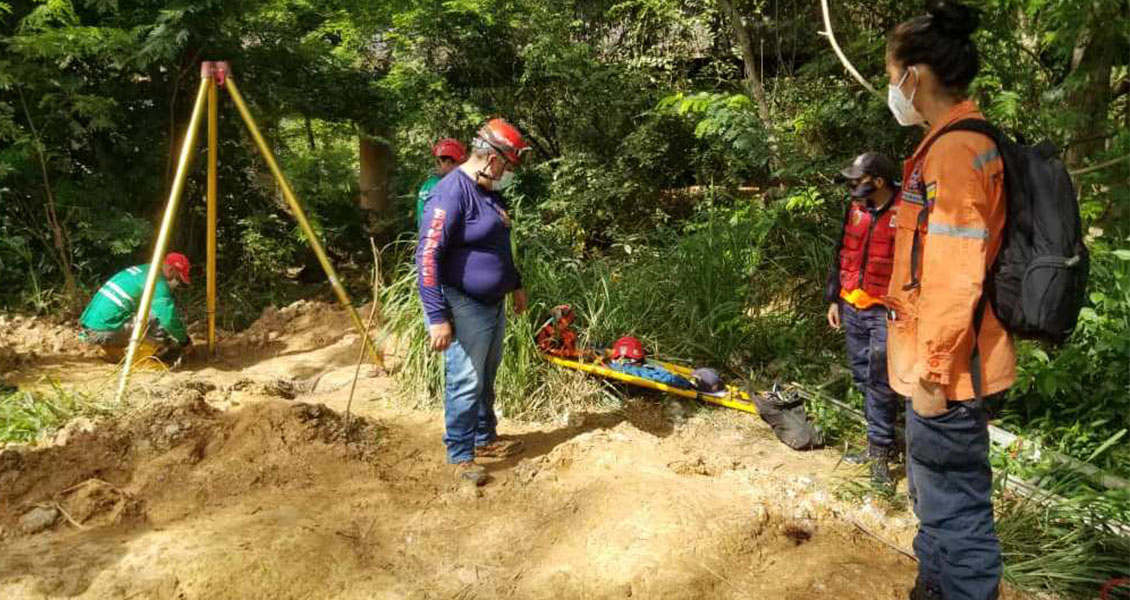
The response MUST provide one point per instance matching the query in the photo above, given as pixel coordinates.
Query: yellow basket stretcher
(730, 397)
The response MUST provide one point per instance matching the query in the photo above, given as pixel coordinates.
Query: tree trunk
(1091, 94)
(177, 128)
(376, 161)
(58, 235)
(753, 77)
(310, 134)
(176, 132)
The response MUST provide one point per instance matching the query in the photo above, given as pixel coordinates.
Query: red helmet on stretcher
(628, 348)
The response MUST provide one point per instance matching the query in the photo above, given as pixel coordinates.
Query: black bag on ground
(784, 412)
(1037, 284)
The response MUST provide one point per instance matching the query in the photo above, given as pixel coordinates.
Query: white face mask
(503, 182)
(901, 106)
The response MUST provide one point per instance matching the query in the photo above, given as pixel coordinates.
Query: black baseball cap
(875, 164)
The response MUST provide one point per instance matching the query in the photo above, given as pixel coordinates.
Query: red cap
(179, 264)
(450, 147)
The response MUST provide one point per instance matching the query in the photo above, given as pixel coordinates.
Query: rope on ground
(65, 514)
(999, 438)
(883, 540)
(368, 326)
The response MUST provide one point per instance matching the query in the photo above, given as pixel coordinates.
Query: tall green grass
(25, 416)
(526, 386)
(1069, 547)
(725, 292)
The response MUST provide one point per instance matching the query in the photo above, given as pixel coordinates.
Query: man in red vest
(858, 280)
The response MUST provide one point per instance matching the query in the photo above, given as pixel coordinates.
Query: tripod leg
(300, 216)
(213, 101)
(141, 320)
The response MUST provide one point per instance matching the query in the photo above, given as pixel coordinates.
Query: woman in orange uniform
(950, 221)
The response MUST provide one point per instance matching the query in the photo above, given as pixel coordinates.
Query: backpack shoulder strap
(924, 214)
(990, 131)
(981, 126)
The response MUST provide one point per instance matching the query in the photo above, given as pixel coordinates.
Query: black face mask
(863, 190)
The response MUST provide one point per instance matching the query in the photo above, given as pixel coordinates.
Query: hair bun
(953, 18)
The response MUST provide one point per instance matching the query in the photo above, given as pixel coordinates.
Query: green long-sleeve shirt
(115, 304)
(422, 197)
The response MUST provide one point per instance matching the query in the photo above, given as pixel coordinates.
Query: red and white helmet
(628, 347)
(504, 138)
(450, 148)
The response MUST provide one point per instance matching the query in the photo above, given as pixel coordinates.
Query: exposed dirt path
(230, 481)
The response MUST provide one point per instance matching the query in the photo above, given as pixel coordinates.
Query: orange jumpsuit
(960, 180)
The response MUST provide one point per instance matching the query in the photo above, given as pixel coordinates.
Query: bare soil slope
(241, 478)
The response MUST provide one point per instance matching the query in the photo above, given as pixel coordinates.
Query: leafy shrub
(1077, 397)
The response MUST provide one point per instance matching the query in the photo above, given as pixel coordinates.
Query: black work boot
(881, 457)
(925, 591)
(858, 457)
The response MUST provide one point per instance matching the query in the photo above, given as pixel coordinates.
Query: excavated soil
(242, 478)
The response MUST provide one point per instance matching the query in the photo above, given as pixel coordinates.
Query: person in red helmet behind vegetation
(108, 320)
(449, 154)
(465, 270)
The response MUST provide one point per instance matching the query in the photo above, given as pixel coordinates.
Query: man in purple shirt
(465, 269)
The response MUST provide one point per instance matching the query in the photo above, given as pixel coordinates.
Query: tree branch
(1098, 167)
(753, 77)
(62, 245)
(310, 133)
(831, 36)
(539, 145)
(1087, 140)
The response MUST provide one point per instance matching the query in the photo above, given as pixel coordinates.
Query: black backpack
(1038, 281)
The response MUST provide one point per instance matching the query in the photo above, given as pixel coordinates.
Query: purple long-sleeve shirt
(464, 243)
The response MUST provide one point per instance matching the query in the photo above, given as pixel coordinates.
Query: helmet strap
(485, 171)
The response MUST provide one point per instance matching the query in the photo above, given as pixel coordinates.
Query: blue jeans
(866, 334)
(470, 365)
(951, 485)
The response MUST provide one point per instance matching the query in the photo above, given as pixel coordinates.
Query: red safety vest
(867, 254)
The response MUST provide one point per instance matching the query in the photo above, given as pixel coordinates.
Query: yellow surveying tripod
(215, 75)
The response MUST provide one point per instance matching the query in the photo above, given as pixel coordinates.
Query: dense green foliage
(665, 198)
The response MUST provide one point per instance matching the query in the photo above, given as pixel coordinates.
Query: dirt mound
(299, 327)
(175, 456)
(26, 339)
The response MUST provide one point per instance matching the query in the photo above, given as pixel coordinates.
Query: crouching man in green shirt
(108, 319)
